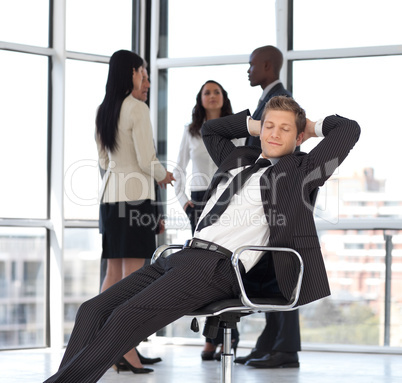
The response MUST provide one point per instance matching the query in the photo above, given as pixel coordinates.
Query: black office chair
(226, 313)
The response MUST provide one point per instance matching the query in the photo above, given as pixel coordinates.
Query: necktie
(234, 187)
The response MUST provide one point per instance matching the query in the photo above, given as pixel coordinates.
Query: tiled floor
(183, 364)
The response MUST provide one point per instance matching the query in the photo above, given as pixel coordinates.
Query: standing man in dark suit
(201, 272)
(279, 342)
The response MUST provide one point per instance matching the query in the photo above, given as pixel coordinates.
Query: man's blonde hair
(287, 104)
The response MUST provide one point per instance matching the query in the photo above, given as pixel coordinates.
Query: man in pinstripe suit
(272, 207)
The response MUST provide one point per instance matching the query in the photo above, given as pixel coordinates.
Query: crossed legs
(112, 323)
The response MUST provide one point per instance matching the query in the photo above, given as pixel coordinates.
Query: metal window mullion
(281, 11)
(153, 100)
(56, 166)
(356, 52)
(388, 278)
(22, 48)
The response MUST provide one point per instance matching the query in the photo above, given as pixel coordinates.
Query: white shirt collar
(268, 88)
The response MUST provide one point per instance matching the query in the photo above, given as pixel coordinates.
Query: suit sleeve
(144, 143)
(340, 136)
(217, 134)
(103, 158)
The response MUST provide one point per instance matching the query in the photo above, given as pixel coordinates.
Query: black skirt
(128, 229)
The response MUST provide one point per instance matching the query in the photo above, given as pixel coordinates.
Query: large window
(356, 312)
(367, 183)
(22, 287)
(85, 89)
(23, 135)
(212, 28)
(109, 24)
(25, 22)
(81, 271)
(346, 24)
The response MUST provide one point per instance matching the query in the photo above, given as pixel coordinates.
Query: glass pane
(365, 185)
(23, 135)
(212, 28)
(354, 313)
(22, 287)
(82, 252)
(183, 85)
(25, 22)
(109, 23)
(85, 89)
(345, 23)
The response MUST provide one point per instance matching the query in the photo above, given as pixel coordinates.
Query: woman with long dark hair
(126, 152)
(212, 101)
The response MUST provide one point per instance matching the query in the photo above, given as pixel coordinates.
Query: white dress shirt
(268, 88)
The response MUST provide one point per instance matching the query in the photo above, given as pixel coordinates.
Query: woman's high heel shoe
(145, 360)
(133, 369)
(120, 366)
(235, 341)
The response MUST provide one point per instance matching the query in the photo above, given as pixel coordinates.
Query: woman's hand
(161, 224)
(188, 203)
(167, 180)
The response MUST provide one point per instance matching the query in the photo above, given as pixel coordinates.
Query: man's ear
(300, 139)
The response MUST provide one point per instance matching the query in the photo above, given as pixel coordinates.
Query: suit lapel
(275, 90)
(258, 112)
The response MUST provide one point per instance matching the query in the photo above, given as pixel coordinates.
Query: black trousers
(194, 213)
(281, 332)
(282, 329)
(112, 323)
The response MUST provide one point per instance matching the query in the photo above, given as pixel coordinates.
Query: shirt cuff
(318, 128)
(248, 118)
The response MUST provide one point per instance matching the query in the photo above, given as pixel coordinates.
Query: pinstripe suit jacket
(285, 192)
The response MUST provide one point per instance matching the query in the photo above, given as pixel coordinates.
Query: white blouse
(203, 168)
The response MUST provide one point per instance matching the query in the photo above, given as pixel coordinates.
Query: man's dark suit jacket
(285, 192)
(277, 90)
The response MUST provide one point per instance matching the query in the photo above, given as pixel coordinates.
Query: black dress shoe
(145, 360)
(207, 355)
(135, 370)
(276, 360)
(254, 354)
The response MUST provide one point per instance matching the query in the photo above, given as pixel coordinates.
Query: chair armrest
(161, 249)
(267, 307)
